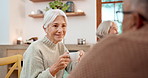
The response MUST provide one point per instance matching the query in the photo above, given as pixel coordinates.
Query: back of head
(137, 16)
(140, 6)
(51, 15)
(103, 28)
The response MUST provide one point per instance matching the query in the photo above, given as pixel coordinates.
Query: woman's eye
(55, 25)
(63, 25)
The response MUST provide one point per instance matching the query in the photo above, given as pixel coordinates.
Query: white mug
(74, 56)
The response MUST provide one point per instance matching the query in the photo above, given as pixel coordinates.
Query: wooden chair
(16, 59)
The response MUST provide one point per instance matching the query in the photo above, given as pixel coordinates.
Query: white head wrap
(51, 15)
(104, 28)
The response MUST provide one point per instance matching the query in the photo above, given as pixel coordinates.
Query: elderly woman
(106, 28)
(48, 57)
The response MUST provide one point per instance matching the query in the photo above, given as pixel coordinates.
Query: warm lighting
(79, 10)
(19, 40)
(32, 12)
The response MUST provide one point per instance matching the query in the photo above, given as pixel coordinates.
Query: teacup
(74, 56)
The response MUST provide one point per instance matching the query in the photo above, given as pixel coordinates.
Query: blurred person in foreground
(48, 57)
(106, 28)
(122, 56)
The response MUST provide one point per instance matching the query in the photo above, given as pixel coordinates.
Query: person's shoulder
(110, 41)
(33, 48)
(35, 45)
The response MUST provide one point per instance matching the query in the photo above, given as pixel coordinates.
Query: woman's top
(38, 58)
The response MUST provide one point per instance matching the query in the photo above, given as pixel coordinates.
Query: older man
(123, 56)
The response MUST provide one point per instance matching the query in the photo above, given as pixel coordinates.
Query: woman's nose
(60, 29)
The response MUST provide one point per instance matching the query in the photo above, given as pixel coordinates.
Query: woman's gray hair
(103, 28)
(51, 15)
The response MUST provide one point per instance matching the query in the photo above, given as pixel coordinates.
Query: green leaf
(58, 4)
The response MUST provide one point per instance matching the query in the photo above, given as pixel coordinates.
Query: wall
(17, 19)
(12, 17)
(4, 22)
(79, 26)
(20, 24)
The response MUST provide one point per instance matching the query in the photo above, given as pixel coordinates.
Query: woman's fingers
(65, 60)
(63, 65)
(81, 54)
(65, 55)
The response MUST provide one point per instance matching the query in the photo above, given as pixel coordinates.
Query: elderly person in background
(106, 28)
(48, 57)
(122, 56)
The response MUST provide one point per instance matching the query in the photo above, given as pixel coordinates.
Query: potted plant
(57, 4)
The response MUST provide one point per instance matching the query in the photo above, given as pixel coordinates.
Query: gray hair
(51, 15)
(103, 28)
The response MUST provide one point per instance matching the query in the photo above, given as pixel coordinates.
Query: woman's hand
(81, 54)
(60, 64)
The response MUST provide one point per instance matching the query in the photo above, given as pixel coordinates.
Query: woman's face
(113, 30)
(57, 29)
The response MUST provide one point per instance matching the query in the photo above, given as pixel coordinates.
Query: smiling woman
(48, 57)
(56, 30)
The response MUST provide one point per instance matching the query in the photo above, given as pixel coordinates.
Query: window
(110, 0)
(108, 10)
